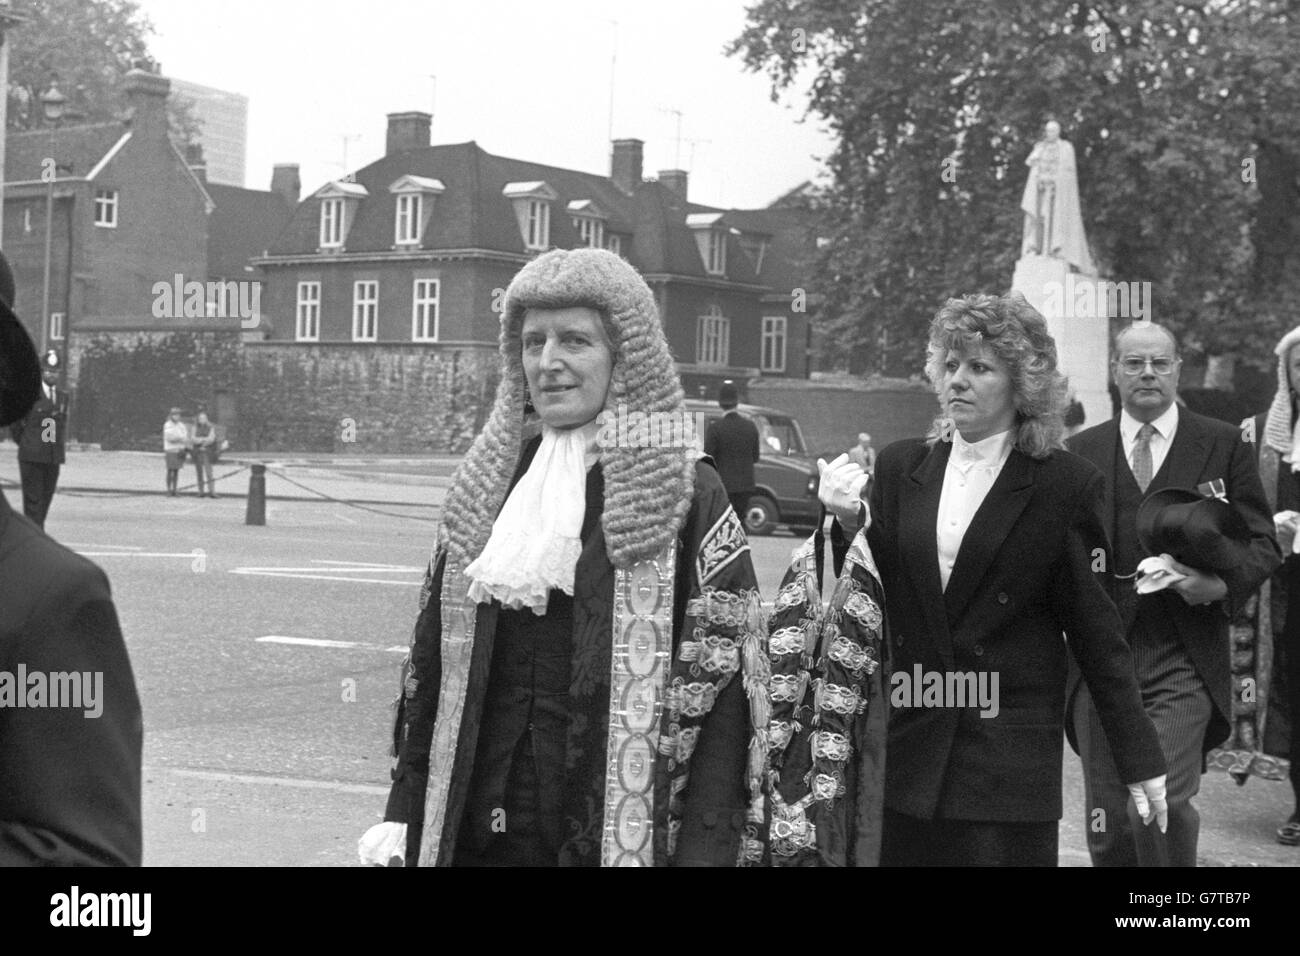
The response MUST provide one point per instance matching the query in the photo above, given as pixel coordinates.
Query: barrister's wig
(1017, 334)
(647, 490)
(1279, 423)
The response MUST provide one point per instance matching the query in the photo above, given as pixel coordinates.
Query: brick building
(412, 251)
(127, 212)
(132, 216)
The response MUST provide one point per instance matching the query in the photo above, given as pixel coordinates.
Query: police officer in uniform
(40, 436)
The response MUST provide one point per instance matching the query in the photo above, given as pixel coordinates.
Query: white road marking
(334, 785)
(116, 547)
(138, 554)
(350, 568)
(336, 571)
(322, 642)
(266, 572)
(342, 517)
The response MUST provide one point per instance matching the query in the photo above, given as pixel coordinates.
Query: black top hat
(1206, 533)
(20, 370)
(728, 394)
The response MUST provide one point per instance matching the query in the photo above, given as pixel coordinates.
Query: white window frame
(713, 338)
(410, 218)
(772, 357)
(424, 306)
(57, 320)
(307, 312)
(331, 223)
(716, 263)
(106, 208)
(365, 310)
(614, 243)
(537, 233)
(590, 230)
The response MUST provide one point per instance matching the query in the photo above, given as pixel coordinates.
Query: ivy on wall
(319, 398)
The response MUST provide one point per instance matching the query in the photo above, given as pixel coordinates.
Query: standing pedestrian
(204, 438)
(176, 440)
(40, 436)
(732, 442)
(1179, 635)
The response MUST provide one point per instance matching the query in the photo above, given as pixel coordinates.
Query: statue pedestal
(1077, 318)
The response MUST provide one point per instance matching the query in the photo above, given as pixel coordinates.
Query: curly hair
(1017, 334)
(648, 491)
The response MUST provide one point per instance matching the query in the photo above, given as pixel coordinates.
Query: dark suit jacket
(69, 783)
(1022, 577)
(30, 431)
(1204, 449)
(732, 442)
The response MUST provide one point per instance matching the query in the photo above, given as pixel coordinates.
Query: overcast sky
(528, 80)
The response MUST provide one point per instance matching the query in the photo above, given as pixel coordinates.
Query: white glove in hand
(1149, 795)
(384, 844)
(840, 490)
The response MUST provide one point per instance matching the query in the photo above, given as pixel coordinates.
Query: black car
(785, 477)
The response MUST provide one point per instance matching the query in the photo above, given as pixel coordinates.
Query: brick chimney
(675, 180)
(146, 97)
(285, 181)
(625, 164)
(195, 161)
(408, 131)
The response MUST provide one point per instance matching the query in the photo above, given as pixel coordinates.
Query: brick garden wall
(387, 399)
(338, 399)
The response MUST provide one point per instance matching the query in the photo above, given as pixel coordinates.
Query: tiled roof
(792, 243)
(81, 146)
(243, 223)
(473, 212)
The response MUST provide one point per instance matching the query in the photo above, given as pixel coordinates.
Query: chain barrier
(5, 483)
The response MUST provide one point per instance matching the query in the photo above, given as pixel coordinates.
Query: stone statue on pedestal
(1053, 221)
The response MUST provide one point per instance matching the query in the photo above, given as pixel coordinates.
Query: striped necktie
(1142, 456)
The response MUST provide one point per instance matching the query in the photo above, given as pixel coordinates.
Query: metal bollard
(256, 513)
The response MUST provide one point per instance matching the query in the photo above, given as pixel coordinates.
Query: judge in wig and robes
(1053, 221)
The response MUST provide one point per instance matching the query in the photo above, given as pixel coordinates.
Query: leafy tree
(85, 48)
(936, 104)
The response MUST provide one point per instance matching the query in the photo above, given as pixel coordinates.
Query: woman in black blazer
(987, 541)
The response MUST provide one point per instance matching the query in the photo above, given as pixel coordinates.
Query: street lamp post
(52, 103)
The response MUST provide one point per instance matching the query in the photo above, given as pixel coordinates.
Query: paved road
(267, 661)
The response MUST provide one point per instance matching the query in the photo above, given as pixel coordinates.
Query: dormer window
(716, 259)
(409, 216)
(590, 231)
(331, 222)
(589, 221)
(755, 245)
(538, 233)
(413, 211)
(532, 202)
(338, 204)
(711, 238)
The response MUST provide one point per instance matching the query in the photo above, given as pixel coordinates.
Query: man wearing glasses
(1179, 635)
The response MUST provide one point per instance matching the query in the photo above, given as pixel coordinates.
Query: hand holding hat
(1156, 574)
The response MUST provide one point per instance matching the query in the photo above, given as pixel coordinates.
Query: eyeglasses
(1136, 366)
